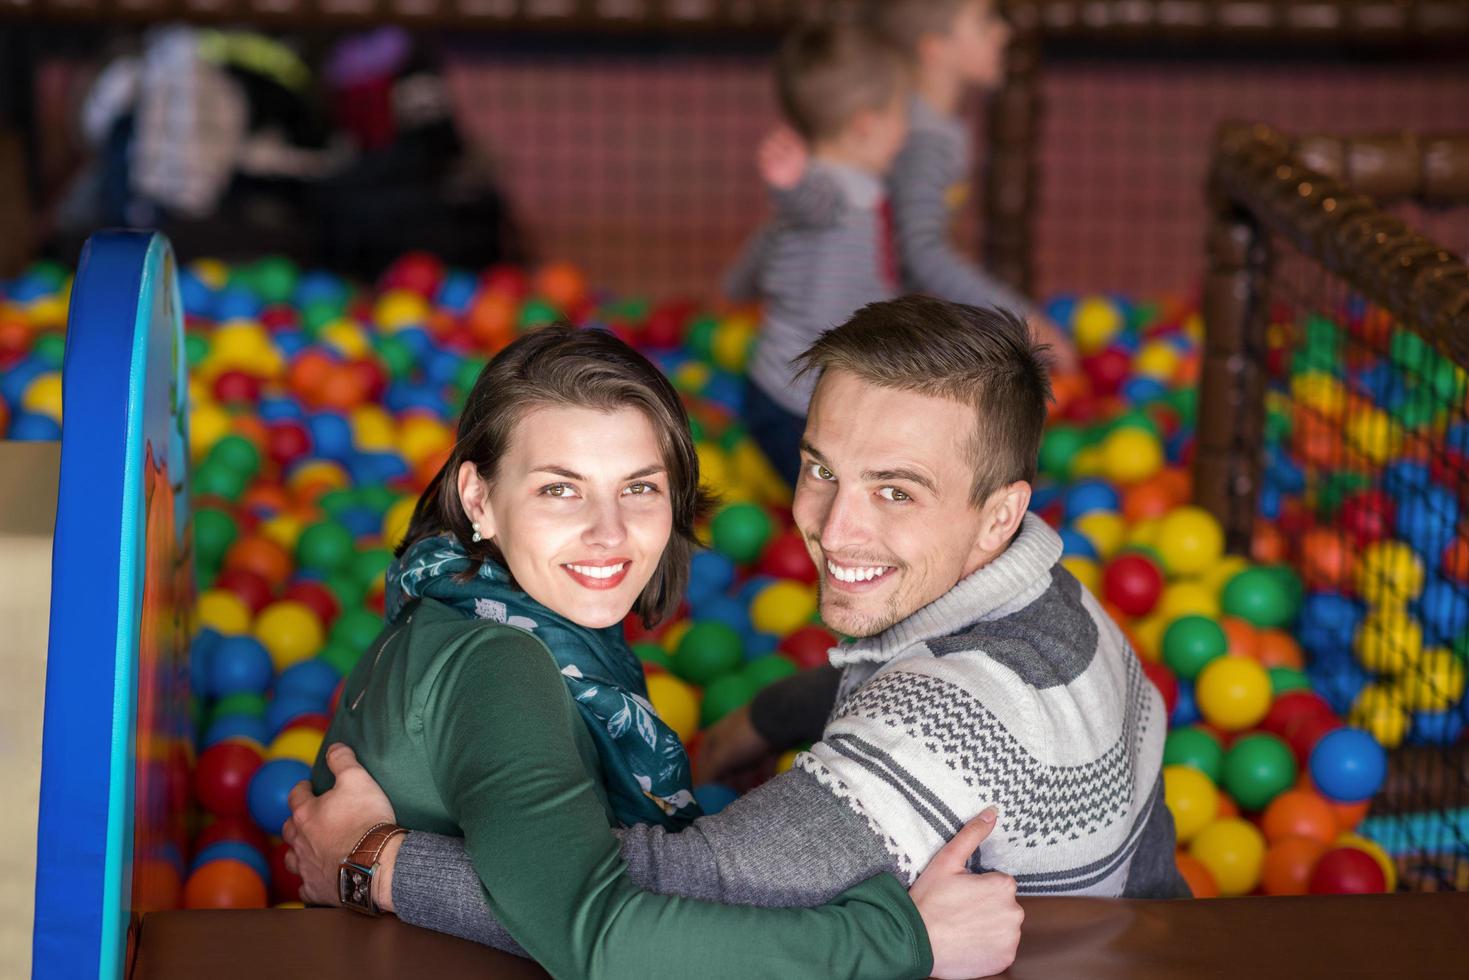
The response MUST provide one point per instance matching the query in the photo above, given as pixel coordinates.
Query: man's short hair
(984, 358)
(904, 23)
(827, 73)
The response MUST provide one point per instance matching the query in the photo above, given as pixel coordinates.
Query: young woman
(501, 702)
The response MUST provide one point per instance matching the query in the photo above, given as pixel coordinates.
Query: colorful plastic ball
(222, 777)
(1234, 852)
(808, 646)
(1132, 583)
(1436, 682)
(1191, 798)
(770, 668)
(1190, 540)
(1086, 571)
(224, 612)
(1131, 455)
(284, 712)
(1191, 643)
(1289, 862)
(1196, 876)
(1377, 852)
(1379, 710)
(1188, 597)
(1233, 693)
(786, 557)
(1257, 769)
(269, 788)
(783, 607)
(262, 556)
(1162, 678)
(1348, 765)
(239, 664)
(1196, 748)
(1283, 680)
(740, 531)
(1108, 369)
(290, 631)
(1389, 572)
(325, 547)
(724, 695)
(224, 884)
(1347, 871)
(676, 703)
(708, 651)
(1389, 641)
(714, 797)
(1087, 496)
(235, 850)
(1095, 322)
(299, 743)
(226, 727)
(1106, 530)
(1267, 596)
(1300, 813)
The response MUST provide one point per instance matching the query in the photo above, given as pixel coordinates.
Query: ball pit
(321, 408)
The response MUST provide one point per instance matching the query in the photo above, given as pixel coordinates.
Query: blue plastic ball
(1142, 389)
(239, 665)
(1086, 496)
(759, 644)
(331, 435)
(18, 377)
(1061, 308)
(236, 303)
(29, 427)
(282, 710)
(236, 726)
(1075, 543)
(373, 468)
(1185, 708)
(314, 678)
(1339, 681)
(710, 573)
(1348, 765)
(1443, 609)
(457, 291)
(714, 797)
(270, 787)
(727, 610)
(201, 650)
(276, 408)
(198, 298)
(291, 342)
(1442, 728)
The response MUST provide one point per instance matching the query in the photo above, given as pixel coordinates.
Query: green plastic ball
(1194, 746)
(325, 546)
(50, 348)
(726, 694)
(708, 650)
(214, 532)
(377, 498)
(740, 531)
(1190, 643)
(334, 502)
(769, 669)
(318, 313)
(396, 357)
(237, 453)
(537, 312)
(368, 566)
(348, 592)
(243, 703)
(356, 629)
(700, 338)
(1283, 679)
(1267, 596)
(196, 348)
(275, 278)
(1059, 447)
(214, 479)
(652, 653)
(341, 657)
(1257, 769)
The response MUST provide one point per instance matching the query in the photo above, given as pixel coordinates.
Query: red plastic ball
(253, 590)
(508, 280)
(318, 598)
(370, 376)
(417, 272)
(665, 328)
(808, 646)
(315, 721)
(1303, 738)
(278, 318)
(1347, 871)
(1108, 370)
(237, 388)
(286, 441)
(1366, 516)
(1164, 681)
(787, 557)
(1291, 710)
(1133, 584)
(222, 777)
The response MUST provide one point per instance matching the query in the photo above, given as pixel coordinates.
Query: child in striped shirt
(954, 46)
(828, 250)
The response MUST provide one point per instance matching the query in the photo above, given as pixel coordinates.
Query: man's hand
(973, 921)
(730, 745)
(322, 830)
(782, 159)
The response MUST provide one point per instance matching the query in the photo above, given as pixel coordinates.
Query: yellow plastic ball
(787, 760)
(373, 429)
(1132, 455)
(733, 340)
(1233, 851)
(208, 423)
(1188, 598)
(283, 529)
(755, 471)
(1389, 573)
(692, 377)
(47, 312)
(346, 338)
(1389, 640)
(1190, 541)
(1375, 435)
(675, 634)
(1192, 799)
(321, 472)
(783, 607)
(1436, 682)
(1233, 693)
(212, 272)
(1088, 461)
(1157, 359)
(1106, 530)
(396, 521)
(43, 395)
(300, 744)
(1379, 711)
(290, 632)
(398, 309)
(1087, 572)
(224, 612)
(1148, 632)
(676, 703)
(1144, 534)
(714, 468)
(237, 343)
(1218, 575)
(1377, 853)
(1320, 393)
(421, 436)
(1094, 323)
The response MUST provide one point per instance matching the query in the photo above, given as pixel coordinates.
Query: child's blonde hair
(827, 73)
(904, 23)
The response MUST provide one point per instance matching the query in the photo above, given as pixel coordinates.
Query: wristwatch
(354, 878)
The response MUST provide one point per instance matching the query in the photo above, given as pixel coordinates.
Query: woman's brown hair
(561, 365)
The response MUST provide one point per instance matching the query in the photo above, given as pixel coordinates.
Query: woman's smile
(600, 573)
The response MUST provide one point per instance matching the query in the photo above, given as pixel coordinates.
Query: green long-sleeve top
(469, 729)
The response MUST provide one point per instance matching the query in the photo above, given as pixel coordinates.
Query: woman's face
(580, 509)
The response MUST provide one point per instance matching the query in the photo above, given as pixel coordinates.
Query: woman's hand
(973, 921)
(783, 158)
(728, 746)
(322, 830)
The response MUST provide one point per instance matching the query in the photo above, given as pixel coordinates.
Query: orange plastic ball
(1327, 562)
(224, 884)
(307, 372)
(1456, 559)
(1348, 815)
(1243, 637)
(1268, 544)
(1277, 648)
(262, 556)
(1300, 813)
(342, 389)
(1200, 881)
(562, 284)
(491, 320)
(1288, 865)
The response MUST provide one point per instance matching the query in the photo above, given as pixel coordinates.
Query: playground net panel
(1350, 430)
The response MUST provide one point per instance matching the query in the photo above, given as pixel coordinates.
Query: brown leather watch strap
(372, 843)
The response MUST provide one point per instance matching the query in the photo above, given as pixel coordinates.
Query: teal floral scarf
(644, 762)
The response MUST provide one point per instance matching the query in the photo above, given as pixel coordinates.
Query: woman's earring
(477, 539)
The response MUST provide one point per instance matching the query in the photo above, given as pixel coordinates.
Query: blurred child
(955, 47)
(828, 249)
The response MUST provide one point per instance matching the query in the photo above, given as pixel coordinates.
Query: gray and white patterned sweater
(1013, 689)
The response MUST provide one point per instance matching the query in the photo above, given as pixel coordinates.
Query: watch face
(354, 887)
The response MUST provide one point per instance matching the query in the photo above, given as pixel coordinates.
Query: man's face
(883, 501)
(977, 44)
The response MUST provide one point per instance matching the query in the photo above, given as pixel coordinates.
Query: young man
(984, 673)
